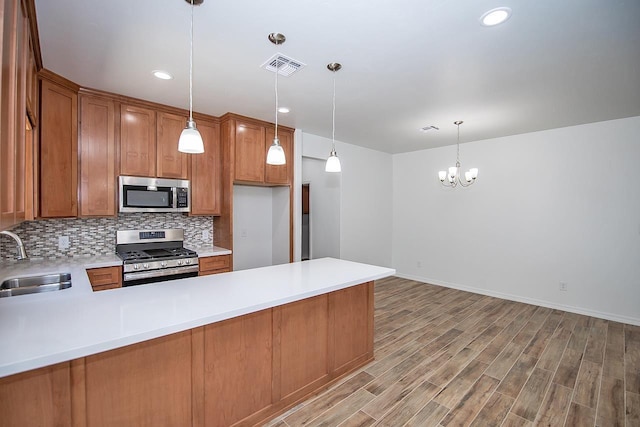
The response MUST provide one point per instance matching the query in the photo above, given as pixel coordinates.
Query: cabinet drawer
(105, 276)
(221, 262)
(105, 287)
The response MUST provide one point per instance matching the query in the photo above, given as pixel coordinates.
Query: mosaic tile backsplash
(97, 236)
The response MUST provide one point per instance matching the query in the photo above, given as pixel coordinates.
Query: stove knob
(179, 262)
(136, 266)
(145, 265)
(163, 263)
(187, 261)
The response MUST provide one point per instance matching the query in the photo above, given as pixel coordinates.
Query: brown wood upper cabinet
(58, 151)
(149, 143)
(252, 141)
(97, 157)
(137, 141)
(170, 162)
(14, 139)
(206, 172)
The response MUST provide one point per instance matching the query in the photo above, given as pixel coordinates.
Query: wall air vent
(285, 65)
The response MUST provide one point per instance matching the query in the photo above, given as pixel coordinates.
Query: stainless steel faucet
(22, 253)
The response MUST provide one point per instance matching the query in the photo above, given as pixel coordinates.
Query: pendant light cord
(333, 115)
(191, 69)
(277, 72)
(458, 152)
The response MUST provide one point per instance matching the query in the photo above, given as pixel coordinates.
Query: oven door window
(141, 197)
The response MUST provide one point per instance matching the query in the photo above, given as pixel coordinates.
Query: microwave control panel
(183, 197)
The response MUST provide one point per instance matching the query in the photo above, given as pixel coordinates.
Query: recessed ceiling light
(495, 16)
(163, 75)
(283, 110)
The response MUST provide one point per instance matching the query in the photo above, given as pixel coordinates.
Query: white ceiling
(406, 63)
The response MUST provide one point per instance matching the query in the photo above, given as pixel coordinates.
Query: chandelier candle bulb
(442, 175)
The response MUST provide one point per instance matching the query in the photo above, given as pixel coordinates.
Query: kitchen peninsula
(233, 348)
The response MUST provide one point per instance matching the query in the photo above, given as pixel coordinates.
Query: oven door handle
(159, 273)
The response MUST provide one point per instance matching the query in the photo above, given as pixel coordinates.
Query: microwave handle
(174, 197)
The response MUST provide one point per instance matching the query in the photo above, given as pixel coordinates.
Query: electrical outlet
(205, 235)
(63, 242)
(562, 286)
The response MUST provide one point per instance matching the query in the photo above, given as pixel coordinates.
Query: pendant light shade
(190, 139)
(275, 155)
(333, 162)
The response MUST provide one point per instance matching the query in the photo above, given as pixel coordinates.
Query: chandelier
(452, 178)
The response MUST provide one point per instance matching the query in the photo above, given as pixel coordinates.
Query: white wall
(253, 227)
(365, 199)
(324, 202)
(280, 225)
(551, 206)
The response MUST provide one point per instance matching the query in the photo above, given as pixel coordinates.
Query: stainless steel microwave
(140, 194)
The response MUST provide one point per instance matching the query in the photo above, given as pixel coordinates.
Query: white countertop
(43, 329)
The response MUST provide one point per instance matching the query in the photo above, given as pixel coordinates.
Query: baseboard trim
(518, 298)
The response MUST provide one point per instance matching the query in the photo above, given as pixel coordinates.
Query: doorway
(321, 222)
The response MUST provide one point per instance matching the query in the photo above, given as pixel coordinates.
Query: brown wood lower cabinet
(238, 372)
(214, 264)
(105, 278)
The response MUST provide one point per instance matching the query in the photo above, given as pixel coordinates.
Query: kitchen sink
(35, 284)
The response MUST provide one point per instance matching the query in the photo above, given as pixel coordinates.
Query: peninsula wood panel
(145, 384)
(206, 172)
(301, 329)
(171, 162)
(350, 325)
(58, 151)
(250, 157)
(137, 141)
(38, 398)
(97, 157)
(238, 368)
(281, 174)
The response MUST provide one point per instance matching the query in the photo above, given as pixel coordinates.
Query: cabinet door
(280, 174)
(250, 156)
(58, 151)
(171, 162)
(206, 172)
(137, 141)
(8, 41)
(97, 157)
(21, 116)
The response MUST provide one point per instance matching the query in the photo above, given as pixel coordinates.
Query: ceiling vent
(285, 65)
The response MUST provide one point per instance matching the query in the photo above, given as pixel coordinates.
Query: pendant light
(275, 155)
(190, 139)
(333, 162)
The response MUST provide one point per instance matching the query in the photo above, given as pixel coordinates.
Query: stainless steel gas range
(154, 256)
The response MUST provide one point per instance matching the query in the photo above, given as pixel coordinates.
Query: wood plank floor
(449, 358)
